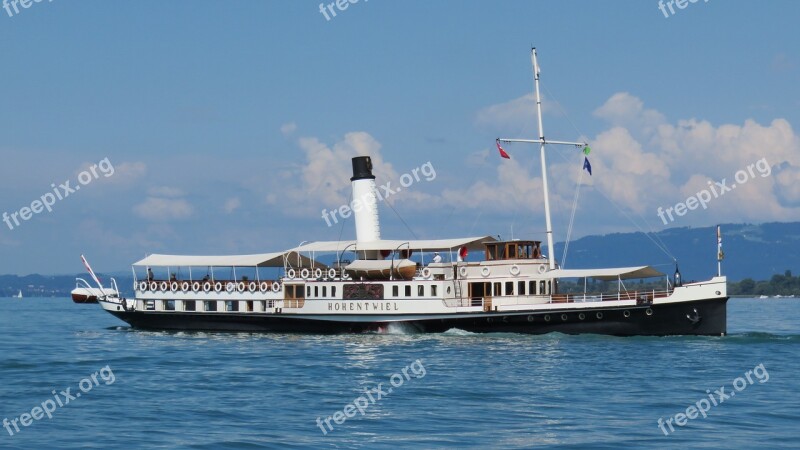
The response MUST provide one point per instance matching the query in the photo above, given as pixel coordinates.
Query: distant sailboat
(19, 295)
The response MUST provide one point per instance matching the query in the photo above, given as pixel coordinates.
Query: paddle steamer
(370, 283)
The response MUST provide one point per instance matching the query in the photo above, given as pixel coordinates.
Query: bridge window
(189, 305)
(408, 291)
(433, 290)
(497, 291)
(509, 288)
(210, 306)
(395, 291)
(521, 287)
(531, 288)
(420, 291)
(333, 291)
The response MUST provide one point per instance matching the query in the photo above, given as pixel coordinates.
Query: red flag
(503, 153)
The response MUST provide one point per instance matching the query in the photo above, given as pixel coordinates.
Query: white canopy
(472, 243)
(258, 260)
(623, 273)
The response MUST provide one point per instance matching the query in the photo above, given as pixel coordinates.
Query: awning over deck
(472, 243)
(624, 273)
(258, 260)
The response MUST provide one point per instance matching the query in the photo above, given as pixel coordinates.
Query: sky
(208, 127)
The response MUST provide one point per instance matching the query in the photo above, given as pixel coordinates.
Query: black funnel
(362, 168)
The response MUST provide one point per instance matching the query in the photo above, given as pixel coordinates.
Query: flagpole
(720, 255)
(551, 250)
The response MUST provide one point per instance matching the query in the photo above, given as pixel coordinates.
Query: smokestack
(365, 201)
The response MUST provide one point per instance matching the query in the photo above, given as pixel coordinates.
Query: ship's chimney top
(362, 168)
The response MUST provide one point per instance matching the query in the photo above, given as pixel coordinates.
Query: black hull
(700, 317)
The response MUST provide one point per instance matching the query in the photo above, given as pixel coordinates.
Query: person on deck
(437, 258)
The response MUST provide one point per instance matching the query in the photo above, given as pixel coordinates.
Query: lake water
(454, 390)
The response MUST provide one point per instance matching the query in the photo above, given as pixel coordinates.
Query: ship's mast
(542, 143)
(548, 222)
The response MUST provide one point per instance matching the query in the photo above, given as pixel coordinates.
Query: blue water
(252, 391)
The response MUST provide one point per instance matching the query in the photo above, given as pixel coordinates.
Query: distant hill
(751, 251)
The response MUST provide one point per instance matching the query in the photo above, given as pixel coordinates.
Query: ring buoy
(514, 270)
(164, 286)
(290, 274)
(485, 271)
(241, 286)
(218, 286)
(542, 268)
(153, 286)
(185, 286)
(276, 287)
(253, 286)
(230, 287)
(317, 273)
(304, 274)
(331, 273)
(462, 271)
(426, 273)
(173, 286)
(264, 286)
(143, 286)
(206, 286)
(195, 286)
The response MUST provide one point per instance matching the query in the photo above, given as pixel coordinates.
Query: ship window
(308, 294)
(520, 288)
(249, 306)
(333, 291)
(421, 290)
(512, 251)
(549, 290)
(169, 305)
(210, 306)
(395, 291)
(300, 291)
(541, 288)
(433, 291)
(408, 291)
(232, 306)
(316, 291)
(324, 291)
(509, 288)
(263, 305)
(497, 291)
(189, 305)
(150, 305)
(531, 288)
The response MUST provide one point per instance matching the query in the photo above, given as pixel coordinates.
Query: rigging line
(401, 219)
(650, 235)
(572, 219)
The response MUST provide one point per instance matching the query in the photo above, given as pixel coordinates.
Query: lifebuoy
(462, 271)
(185, 286)
(196, 286)
(153, 286)
(485, 271)
(164, 286)
(253, 286)
(173, 286)
(317, 273)
(143, 286)
(542, 268)
(206, 286)
(290, 274)
(218, 286)
(241, 286)
(426, 272)
(514, 270)
(304, 274)
(331, 273)
(231, 286)
(345, 275)
(264, 286)
(276, 287)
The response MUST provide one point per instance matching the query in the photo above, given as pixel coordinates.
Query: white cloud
(127, 173)
(231, 205)
(288, 129)
(163, 209)
(165, 191)
(515, 115)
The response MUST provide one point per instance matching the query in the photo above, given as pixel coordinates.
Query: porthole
(626, 314)
(599, 315)
(581, 316)
(547, 318)
(649, 312)
(530, 318)
(564, 317)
